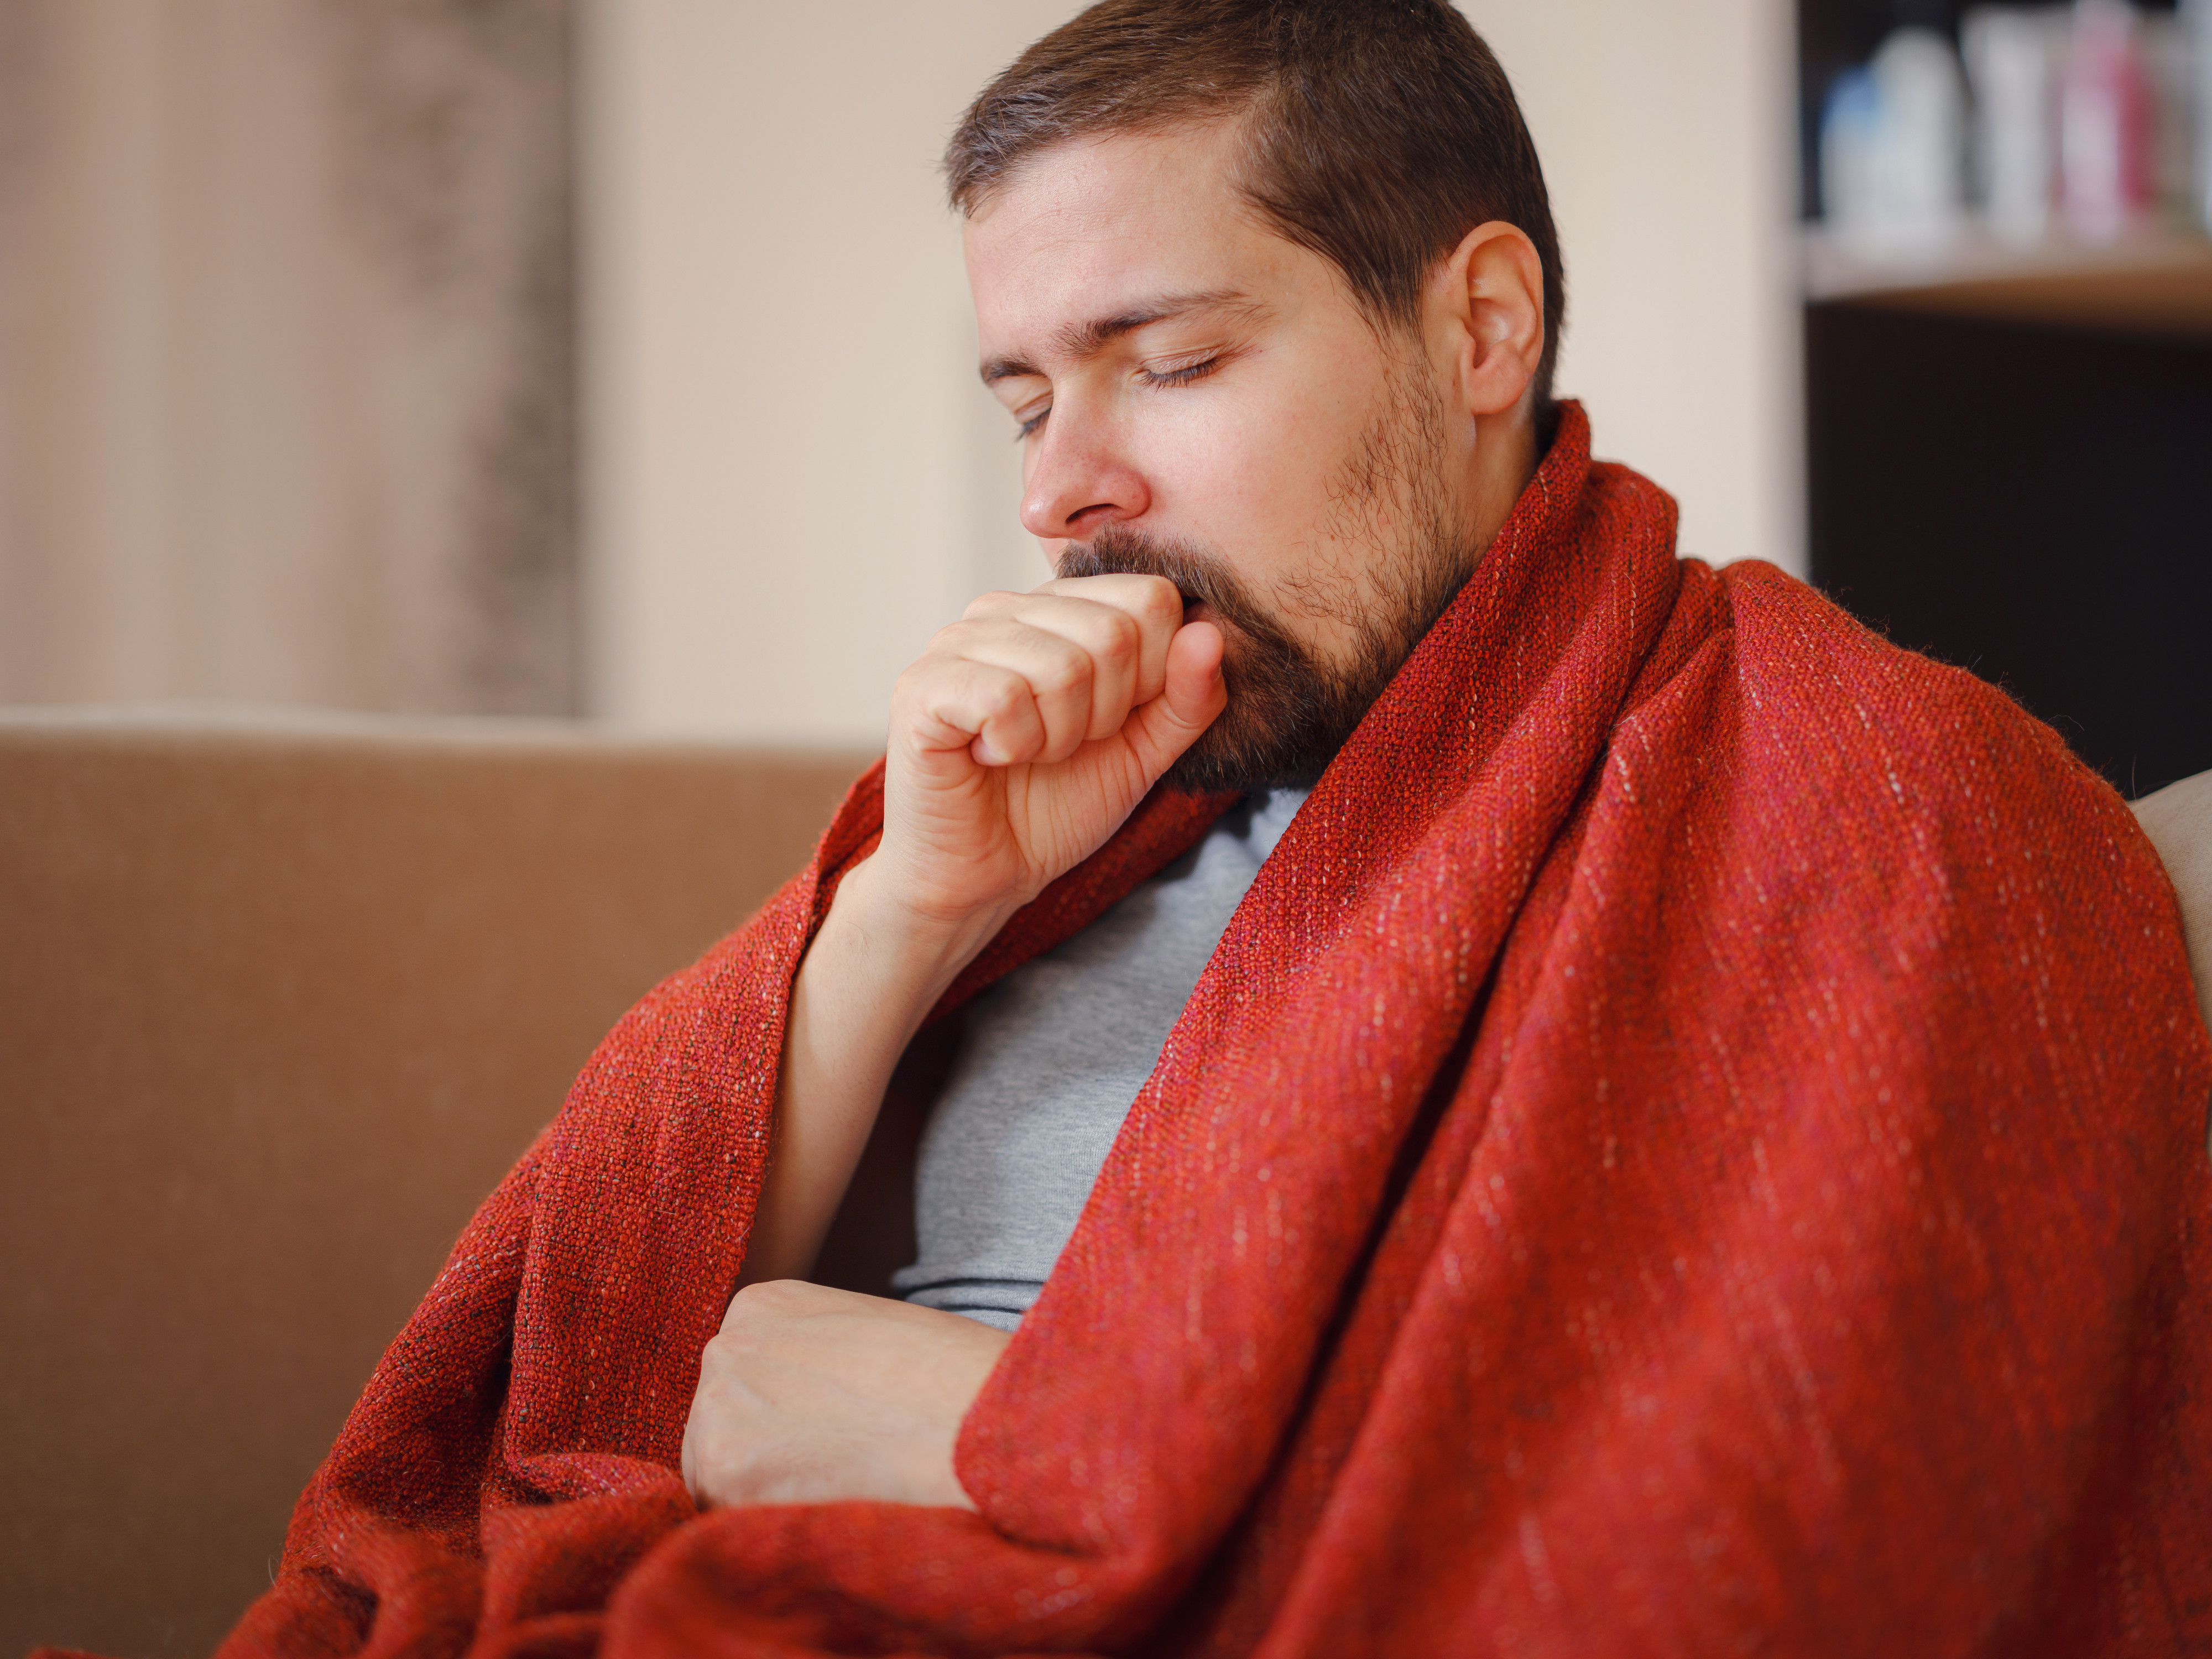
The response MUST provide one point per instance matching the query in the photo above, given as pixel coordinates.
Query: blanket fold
(1692, 1142)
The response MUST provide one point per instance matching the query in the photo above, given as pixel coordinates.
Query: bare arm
(1018, 747)
(1022, 739)
(871, 977)
(1019, 743)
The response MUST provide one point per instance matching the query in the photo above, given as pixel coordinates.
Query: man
(1501, 1090)
(1207, 404)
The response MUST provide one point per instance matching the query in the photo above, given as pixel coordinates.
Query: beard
(1290, 709)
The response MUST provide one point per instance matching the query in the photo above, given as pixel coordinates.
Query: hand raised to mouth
(1020, 741)
(1031, 729)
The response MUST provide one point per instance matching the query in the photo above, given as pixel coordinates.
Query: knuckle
(1005, 696)
(993, 603)
(1161, 599)
(1116, 640)
(951, 641)
(1123, 640)
(1068, 674)
(925, 671)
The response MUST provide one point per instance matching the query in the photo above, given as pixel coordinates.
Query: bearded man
(1488, 1088)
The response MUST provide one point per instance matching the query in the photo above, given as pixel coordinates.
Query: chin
(1242, 762)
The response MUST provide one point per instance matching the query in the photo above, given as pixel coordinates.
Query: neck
(1504, 456)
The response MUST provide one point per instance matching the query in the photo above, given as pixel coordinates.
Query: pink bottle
(2105, 124)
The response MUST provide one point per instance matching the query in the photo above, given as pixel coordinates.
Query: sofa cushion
(280, 1001)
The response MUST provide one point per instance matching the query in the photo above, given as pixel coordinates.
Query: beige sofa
(280, 1000)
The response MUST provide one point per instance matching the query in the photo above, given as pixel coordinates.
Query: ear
(1487, 314)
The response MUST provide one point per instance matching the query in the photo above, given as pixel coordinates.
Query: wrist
(919, 948)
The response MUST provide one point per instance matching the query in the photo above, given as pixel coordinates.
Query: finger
(953, 702)
(1062, 675)
(1067, 645)
(984, 606)
(1193, 693)
(1125, 663)
(1150, 602)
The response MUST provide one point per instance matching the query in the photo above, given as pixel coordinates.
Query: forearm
(1030, 731)
(871, 977)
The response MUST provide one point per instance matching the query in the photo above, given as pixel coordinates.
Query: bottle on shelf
(1891, 146)
(2012, 55)
(2105, 123)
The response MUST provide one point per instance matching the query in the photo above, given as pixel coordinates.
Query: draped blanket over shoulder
(1694, 1143)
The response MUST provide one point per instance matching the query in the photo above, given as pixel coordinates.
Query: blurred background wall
(305, 305)
(287, 334)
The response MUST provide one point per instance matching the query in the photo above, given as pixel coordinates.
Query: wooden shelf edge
(2151, 281)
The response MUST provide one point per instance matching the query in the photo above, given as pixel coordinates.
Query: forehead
(1098, 227)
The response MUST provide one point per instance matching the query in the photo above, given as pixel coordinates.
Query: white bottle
(2012, 61)
(1892, 150)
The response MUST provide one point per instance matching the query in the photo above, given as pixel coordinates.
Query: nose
(1080, 477)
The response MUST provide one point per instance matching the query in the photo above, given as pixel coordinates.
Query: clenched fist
(1029, 730)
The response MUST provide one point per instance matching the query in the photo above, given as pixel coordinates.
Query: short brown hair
(1382, 131)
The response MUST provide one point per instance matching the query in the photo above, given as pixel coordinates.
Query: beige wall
(286, 380)
(1666, 131)
(793, 476)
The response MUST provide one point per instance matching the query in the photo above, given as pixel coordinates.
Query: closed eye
(1025, 427)
(1182, 376)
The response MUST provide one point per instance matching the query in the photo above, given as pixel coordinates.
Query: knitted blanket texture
(1693, 1143)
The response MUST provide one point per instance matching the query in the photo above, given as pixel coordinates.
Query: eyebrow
(1086, 339)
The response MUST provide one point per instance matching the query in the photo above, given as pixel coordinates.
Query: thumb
(1193, 698)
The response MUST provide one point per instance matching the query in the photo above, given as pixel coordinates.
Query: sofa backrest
(279, 1004)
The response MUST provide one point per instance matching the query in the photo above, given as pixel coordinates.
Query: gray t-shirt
(1053, 1057)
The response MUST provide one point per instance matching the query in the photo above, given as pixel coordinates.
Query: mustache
(1199, 575)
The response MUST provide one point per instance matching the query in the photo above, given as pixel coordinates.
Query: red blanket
(1693, 1143)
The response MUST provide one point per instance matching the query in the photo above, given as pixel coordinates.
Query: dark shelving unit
(2010, 459)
